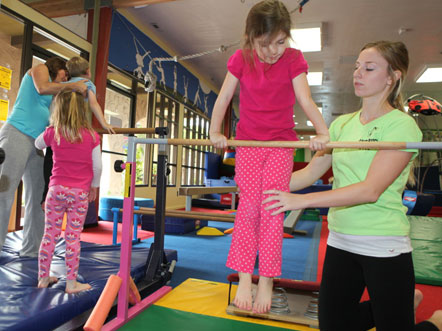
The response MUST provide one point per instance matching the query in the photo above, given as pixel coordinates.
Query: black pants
(390, 283)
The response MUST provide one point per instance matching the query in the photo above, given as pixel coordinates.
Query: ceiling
(194, 26)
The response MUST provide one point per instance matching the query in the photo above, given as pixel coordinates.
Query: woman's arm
(219, 110)
(304, 98)
(384, 169)
(306, 176)
(40, 77)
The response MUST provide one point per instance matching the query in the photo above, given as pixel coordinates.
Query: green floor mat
(160, 318)
(426, 239)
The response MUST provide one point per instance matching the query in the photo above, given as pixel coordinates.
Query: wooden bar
(127, 130)
(190, 214)
(294, 144)
(206, 190)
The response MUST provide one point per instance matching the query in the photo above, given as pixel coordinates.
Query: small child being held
(74, 182)
(79, 70)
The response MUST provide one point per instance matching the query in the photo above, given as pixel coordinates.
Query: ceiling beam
(60, 8)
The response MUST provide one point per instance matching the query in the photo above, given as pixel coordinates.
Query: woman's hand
(80, 86)
(319, 142)
(284, 201)
(218, 140)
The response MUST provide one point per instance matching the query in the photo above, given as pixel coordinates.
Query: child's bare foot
(263, 299)
(47, 281)
(72, 286)
(243, 297)
(436, 319)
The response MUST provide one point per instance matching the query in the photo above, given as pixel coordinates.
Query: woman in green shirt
(369, 244)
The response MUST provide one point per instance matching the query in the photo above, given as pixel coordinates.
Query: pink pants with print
(255, 230)
(74, 202)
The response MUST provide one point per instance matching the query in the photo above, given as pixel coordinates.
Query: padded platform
(198, 304)
(426, 239)
(25, 307)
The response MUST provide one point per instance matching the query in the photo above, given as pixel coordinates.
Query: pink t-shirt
(267, 96)
(72, 162)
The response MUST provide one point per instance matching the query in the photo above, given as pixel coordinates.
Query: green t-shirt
(387, 216)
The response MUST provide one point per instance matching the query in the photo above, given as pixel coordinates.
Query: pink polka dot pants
(255, 230)
(73, 202)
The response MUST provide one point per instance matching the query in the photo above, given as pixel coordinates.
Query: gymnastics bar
(189, 214)
(189, 191)
(381, 145)
(384, 145)
(127, 130)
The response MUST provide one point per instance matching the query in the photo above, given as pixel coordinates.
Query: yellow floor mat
(210, 298)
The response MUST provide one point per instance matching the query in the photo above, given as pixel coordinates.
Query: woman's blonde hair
(69, 116)
(396, 55)
(266, 18)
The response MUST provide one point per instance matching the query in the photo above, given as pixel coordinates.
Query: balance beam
(230, 218)
(189, 191)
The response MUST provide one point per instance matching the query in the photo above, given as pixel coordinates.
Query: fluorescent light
(120, 85)
(58, 41)
(309, 123)
(314, 78)
(306, 39)
(430, 75)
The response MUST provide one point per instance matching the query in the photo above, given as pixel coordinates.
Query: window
(166, 115)
(141, 121)
(117, 113)
(195, 126)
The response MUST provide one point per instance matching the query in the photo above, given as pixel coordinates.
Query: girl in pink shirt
(271, 77)
(74, 182)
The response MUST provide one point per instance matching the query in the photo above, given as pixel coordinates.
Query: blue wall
(131, 51)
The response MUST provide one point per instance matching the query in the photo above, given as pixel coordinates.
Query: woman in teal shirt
(369, 244)
(29, 118)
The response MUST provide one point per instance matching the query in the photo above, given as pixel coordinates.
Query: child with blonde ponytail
(74, 182)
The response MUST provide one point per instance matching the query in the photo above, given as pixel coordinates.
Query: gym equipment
(292, 301)
(424, 105)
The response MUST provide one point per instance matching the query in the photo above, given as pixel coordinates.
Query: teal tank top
(30, 114)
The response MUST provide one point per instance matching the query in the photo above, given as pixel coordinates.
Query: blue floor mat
(23, 306)
(204, 257)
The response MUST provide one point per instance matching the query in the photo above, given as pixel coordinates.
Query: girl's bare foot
(436, 319)
(72, 286)
(243, 297)
(47, 281)
(263, 299)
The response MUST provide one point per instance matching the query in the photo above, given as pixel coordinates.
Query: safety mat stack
(426, 239)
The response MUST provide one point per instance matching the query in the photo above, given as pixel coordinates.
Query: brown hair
(396, 55)
(55, 64)
(77, 66)
(266, 18)
(69, 116)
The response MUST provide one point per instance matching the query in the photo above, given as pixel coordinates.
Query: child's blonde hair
(69, 116)
(77, 66)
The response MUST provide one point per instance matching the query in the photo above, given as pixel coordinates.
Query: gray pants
(22, 161)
